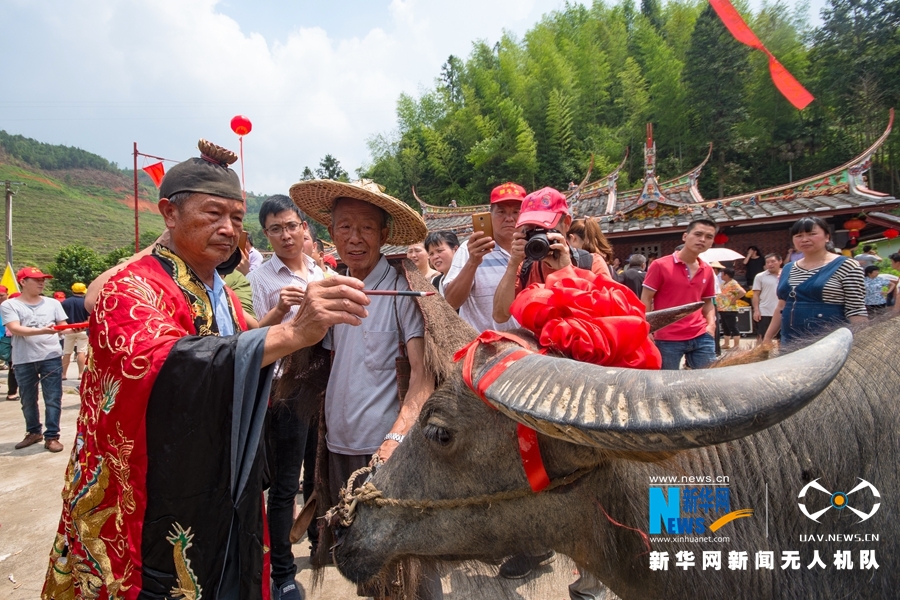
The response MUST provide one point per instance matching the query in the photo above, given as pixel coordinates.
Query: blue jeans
(49, 374)
(698, 352)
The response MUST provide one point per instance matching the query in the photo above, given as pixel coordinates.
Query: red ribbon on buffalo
(588, 317)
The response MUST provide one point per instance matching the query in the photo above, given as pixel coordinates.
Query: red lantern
(891, 233)
(720, 239)
(854, 224)
(241, 125)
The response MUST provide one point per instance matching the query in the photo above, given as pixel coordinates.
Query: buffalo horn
(666, 316)
(631, 409)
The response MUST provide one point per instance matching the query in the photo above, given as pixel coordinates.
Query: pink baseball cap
(543, 208)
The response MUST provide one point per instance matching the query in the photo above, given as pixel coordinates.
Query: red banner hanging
(786, 83)
(156, 172)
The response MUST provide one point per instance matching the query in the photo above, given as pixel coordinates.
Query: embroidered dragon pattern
(188, 587)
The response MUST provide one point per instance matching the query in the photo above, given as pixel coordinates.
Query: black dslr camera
(537, 244)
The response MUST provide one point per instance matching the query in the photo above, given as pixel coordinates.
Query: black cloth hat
(208, 174)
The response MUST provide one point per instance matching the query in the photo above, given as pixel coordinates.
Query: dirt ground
(31, 481)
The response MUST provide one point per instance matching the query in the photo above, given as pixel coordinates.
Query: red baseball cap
(4, 289)
(507, 192)
(543, 208)
(330, 261)
(31, 273)
(59, 295)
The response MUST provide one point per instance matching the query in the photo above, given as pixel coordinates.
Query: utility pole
(137, 245)
(9, 195)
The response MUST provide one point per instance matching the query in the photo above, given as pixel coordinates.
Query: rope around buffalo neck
(345, 512)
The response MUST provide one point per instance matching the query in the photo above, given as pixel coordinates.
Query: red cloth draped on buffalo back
(588, 317)
(786, 83)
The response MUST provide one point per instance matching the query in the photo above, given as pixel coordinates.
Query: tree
(586, 80)
(715, 73)
(147, 237)
(451, 79)
(650, 10)
(330, 168)
(113, 258)
(75, 263)
(666, 107)
(562, 139)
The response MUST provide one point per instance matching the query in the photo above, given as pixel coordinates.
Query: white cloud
(100, 74)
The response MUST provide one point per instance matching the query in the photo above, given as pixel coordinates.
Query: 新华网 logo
(691, 510)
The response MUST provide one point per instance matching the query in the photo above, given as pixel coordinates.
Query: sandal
(13, 398)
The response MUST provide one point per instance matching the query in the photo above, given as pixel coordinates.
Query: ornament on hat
(216, 154)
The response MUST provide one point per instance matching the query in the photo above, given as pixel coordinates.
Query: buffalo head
(587, 416)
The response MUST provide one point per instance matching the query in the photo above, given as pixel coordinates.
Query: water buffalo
(617, 432)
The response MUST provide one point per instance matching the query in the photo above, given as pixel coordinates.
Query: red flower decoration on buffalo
(588, 317)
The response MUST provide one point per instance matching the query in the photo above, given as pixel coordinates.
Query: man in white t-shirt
(765, 294)
(37, 356)
(479, 264)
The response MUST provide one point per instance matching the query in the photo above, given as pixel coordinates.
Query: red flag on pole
(156, 172)
(786, 83)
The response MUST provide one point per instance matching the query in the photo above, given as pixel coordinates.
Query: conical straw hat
(316, 197)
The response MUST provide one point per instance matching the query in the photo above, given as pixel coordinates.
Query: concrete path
(31, 481)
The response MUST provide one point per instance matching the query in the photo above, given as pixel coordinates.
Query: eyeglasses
(291, 227)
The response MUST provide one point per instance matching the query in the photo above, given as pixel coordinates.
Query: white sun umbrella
(720, 254)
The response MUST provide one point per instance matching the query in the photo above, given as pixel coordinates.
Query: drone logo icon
(839, 500)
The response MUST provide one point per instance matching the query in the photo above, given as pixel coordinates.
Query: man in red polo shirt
(683, 278)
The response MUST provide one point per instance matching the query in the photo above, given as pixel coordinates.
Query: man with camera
(538, 248)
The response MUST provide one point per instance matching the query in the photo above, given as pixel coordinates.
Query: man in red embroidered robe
(162, 496)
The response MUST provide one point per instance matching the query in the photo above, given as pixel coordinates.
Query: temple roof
(669, 206)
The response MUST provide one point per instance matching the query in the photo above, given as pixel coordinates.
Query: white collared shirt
(268, 280)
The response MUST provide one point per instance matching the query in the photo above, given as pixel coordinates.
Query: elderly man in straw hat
(163, 493)
(363, 417)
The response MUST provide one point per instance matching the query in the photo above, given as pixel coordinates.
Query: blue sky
(314, 77)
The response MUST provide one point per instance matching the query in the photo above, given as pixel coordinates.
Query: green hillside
(71, 196)
(57, 208)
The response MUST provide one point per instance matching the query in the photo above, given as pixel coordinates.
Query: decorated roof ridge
(653, 192)
(607, 182)
(820, 184)
(431, 208)
(679, 180)
(584, 180)
(687, 180)
(597, 183)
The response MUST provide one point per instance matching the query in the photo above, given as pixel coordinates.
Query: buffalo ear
(666, 316)
(631, 409)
